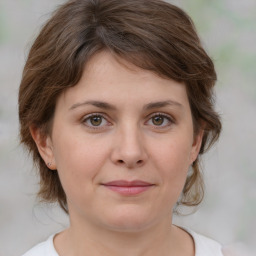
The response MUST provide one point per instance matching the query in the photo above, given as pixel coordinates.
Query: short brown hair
(151, 34)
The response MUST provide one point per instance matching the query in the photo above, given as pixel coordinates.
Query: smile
(128, 188)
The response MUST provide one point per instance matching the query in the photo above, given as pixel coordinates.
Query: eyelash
(87, 118)
(164, 116)
(103, 117)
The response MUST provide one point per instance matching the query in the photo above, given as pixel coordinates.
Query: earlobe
(196, 145)
(44, 145)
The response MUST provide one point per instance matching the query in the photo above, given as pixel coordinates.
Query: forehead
(105, 62)
(108, 78)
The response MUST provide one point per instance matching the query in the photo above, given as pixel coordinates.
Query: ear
(44, 145)
(196, 145)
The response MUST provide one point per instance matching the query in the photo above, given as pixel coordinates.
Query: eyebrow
(161, 104)
(107, 106)
(98, 104)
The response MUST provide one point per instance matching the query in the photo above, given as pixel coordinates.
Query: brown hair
(151, 34)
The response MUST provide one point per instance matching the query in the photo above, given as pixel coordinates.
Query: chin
(129, 219)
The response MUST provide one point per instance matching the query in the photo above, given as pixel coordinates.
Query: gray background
(228, 30)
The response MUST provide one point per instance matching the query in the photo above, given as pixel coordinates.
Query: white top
(203, 246)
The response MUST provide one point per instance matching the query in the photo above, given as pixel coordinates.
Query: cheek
(78, 162)
(172, 159)
(174, 153)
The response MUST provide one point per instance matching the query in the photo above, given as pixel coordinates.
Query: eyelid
(86, 117)
(170, 119)
(167, 116)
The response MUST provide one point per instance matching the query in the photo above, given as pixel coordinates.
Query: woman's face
(122, 142)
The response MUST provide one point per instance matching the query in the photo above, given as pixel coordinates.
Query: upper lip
(125, 183)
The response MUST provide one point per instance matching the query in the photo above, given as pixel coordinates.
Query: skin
(133, 139)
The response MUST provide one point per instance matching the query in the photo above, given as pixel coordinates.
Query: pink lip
(128, 188)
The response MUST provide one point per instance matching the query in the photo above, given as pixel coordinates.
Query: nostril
(123, 162)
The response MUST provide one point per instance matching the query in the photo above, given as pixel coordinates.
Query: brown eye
(158, 120)
(96, 120)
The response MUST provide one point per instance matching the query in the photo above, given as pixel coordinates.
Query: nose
(129, 149)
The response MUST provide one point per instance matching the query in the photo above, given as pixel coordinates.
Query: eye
(95, 121)
(160, 120)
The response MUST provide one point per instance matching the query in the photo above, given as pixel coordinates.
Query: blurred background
(228, 32)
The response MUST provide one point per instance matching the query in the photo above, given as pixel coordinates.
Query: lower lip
(129, 191)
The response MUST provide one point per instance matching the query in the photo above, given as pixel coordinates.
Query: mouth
(128, 188)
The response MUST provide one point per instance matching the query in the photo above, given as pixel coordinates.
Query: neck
(86, 239)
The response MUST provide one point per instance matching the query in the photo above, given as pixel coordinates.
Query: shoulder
(205, 246)
(45, 248)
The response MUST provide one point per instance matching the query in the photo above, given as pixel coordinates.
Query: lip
(128, 188)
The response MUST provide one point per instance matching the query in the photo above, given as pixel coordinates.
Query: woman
(116, 105)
